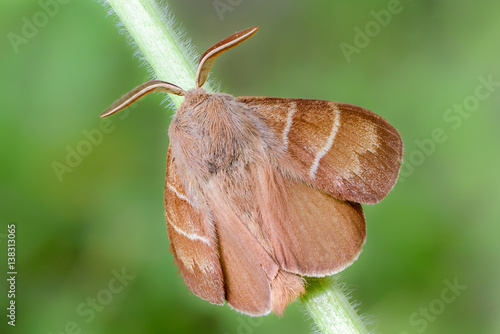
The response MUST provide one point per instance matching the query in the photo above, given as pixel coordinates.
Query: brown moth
(261, 191)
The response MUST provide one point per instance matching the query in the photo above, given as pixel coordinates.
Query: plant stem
(330, 308)
(152, 30)
(169, 58)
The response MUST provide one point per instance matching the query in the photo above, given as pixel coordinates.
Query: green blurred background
(75, 232)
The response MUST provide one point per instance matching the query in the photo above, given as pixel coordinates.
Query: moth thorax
(213, 133)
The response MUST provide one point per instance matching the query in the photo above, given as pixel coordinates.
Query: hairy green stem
(330, 308)
(152, 30)
(168, 57)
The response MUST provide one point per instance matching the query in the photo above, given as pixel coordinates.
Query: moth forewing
(345, 150)
(192, 240)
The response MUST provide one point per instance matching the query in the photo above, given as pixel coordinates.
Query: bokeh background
(76, 231)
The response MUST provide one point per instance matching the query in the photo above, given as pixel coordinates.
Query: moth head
(204, 65)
